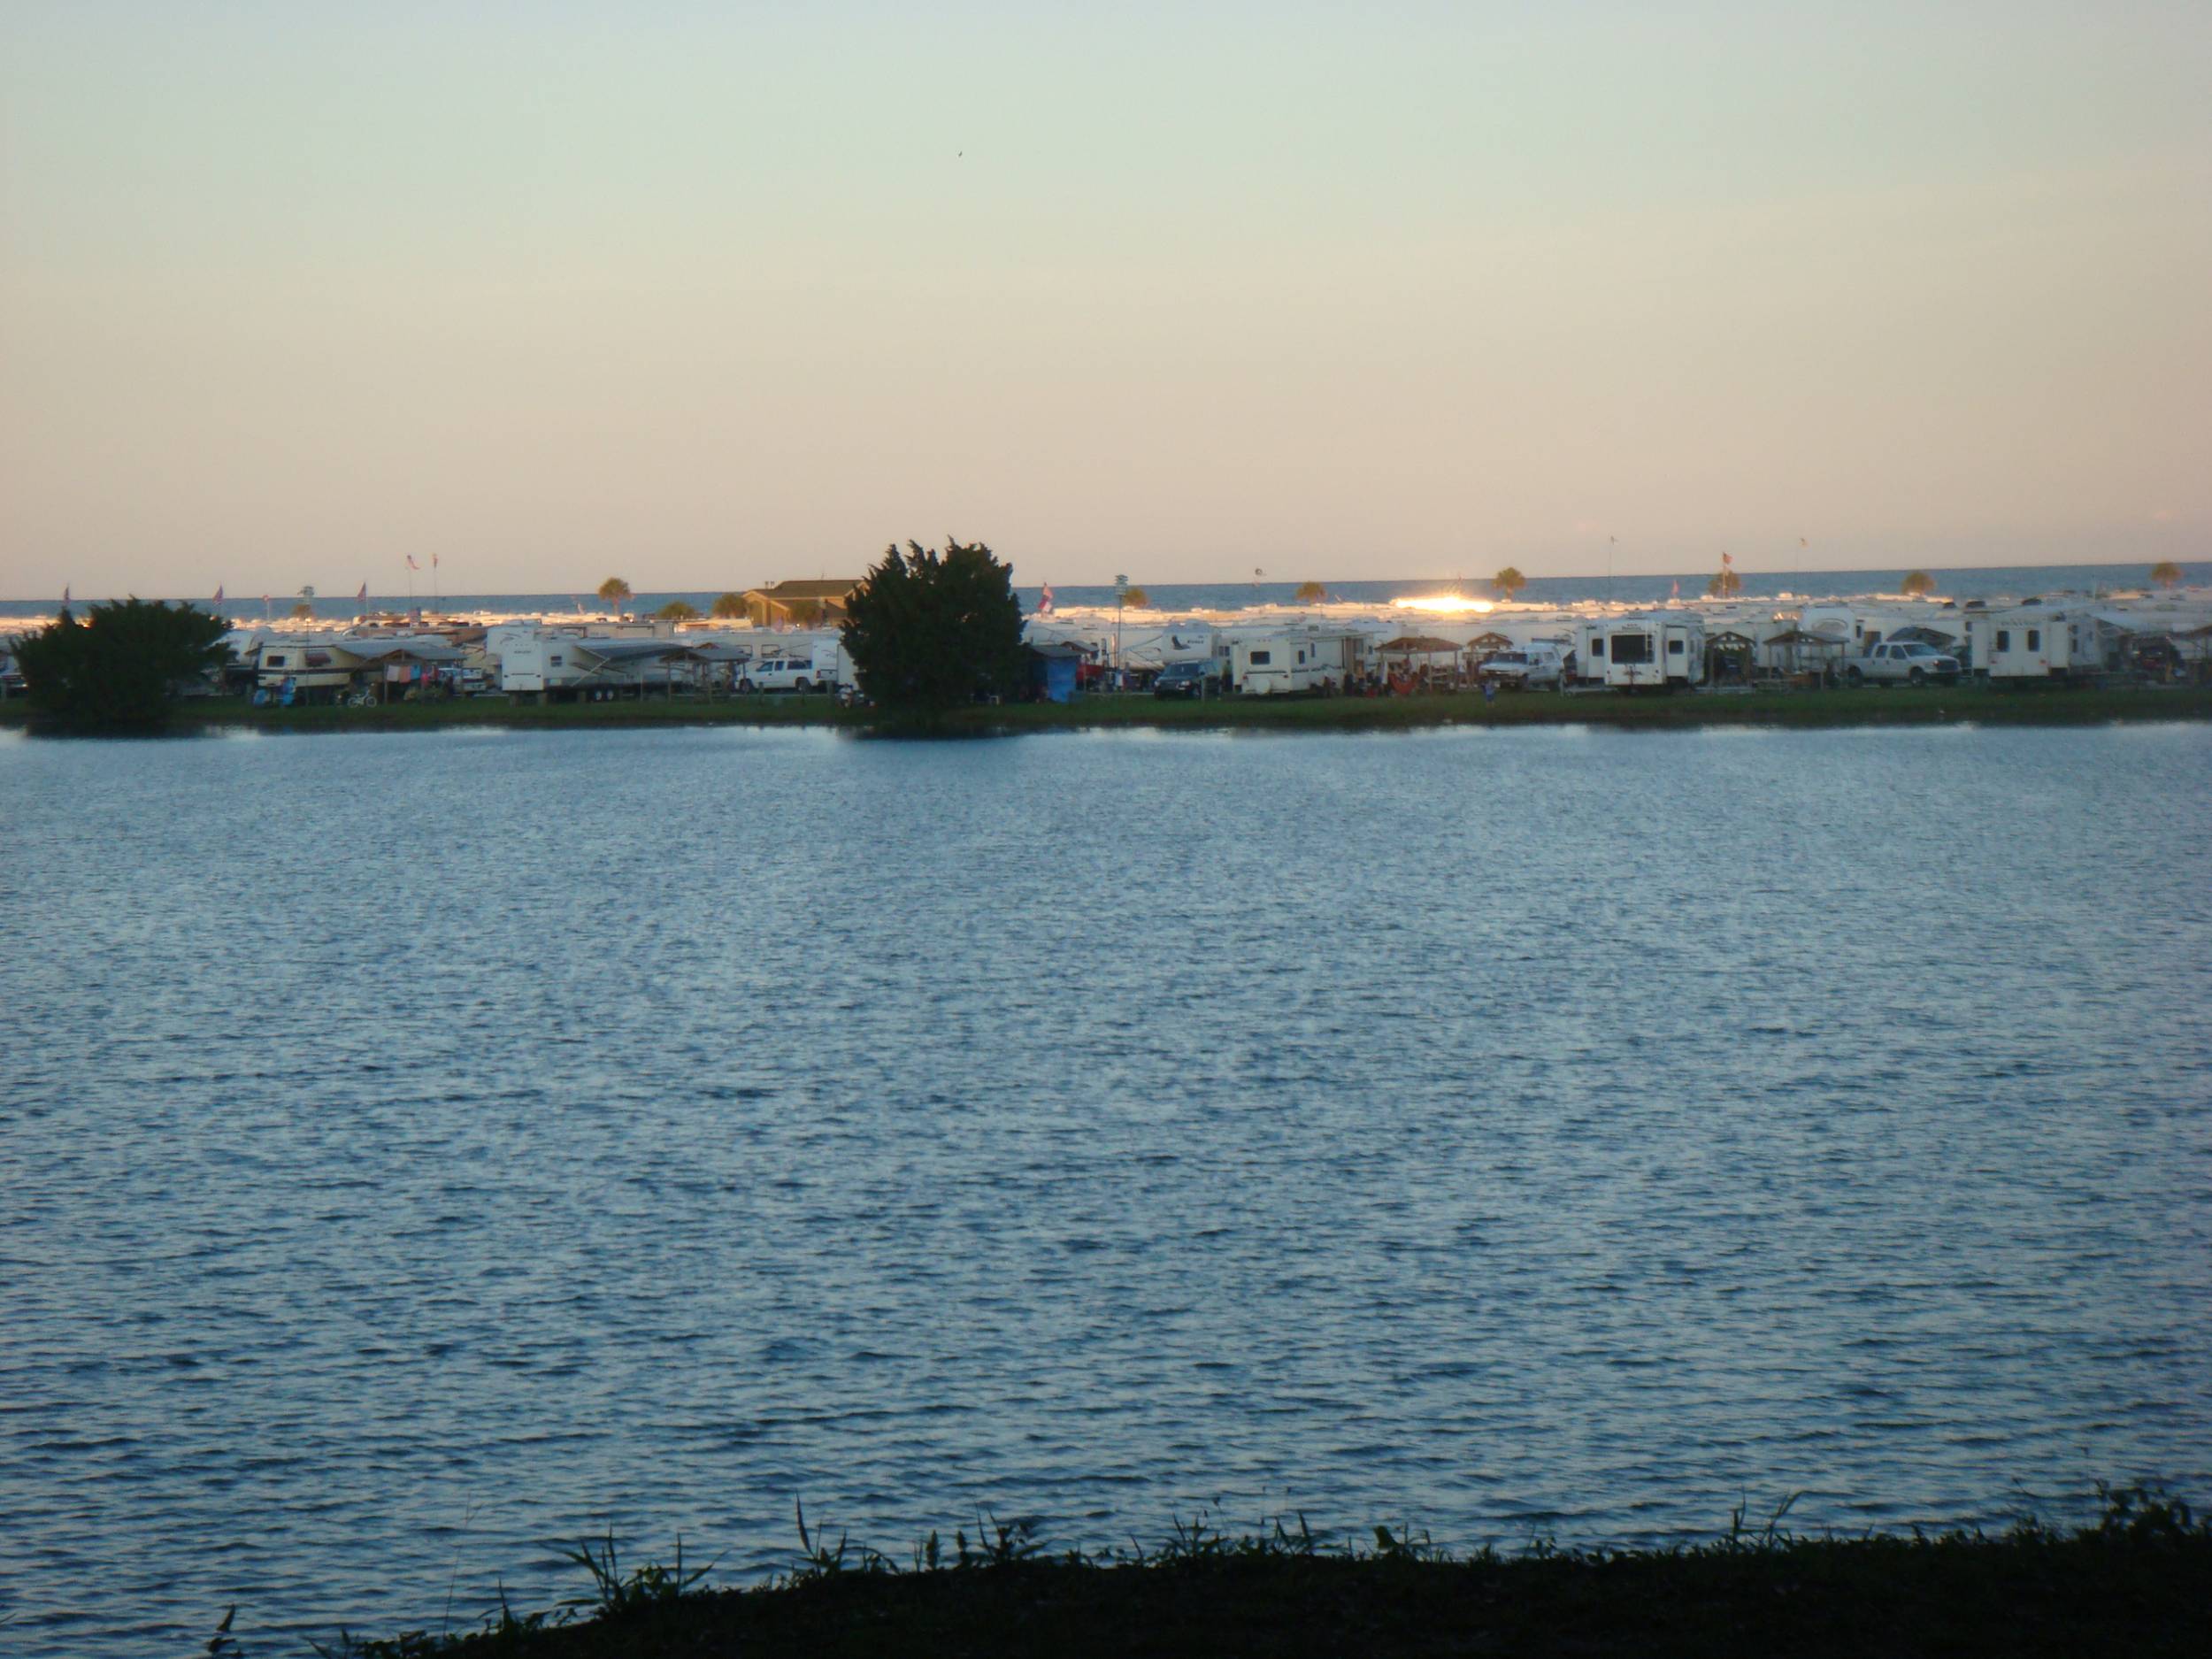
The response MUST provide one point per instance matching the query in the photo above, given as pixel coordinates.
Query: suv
(1183, 679)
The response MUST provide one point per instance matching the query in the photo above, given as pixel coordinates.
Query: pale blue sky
(707, 294)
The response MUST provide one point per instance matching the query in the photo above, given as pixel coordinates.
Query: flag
(1802, 542)
(1044, 605)
(434, 561)
(410, 562)
(1724, 560)
(1677, 592)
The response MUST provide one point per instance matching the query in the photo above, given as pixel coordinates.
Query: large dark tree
(930, 630)
(119, 669)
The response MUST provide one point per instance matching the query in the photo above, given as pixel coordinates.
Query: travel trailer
(1661, 650)
(2032, 642)
(1290, 659)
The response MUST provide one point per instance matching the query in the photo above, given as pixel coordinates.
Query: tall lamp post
(1121, 592)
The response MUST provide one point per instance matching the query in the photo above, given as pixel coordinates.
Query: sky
(709, 295)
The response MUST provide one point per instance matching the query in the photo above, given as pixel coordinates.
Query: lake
(419, 1151)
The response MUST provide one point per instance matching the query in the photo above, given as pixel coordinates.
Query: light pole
(1121, 590)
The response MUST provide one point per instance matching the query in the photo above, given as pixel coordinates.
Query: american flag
(410, 562)
(1724, 560)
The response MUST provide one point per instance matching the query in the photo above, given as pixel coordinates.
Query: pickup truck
(1910, 663)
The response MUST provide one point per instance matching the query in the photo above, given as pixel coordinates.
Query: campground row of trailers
(1669, 649)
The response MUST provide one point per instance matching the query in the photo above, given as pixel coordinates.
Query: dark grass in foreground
(2140, 1582)
(1933, 705)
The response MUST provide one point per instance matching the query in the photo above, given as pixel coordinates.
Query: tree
(1726, 584)
(119, 670)
(678, 611)
(1509, 581)
(1917, 585)
(929, 631)
(806, 613)
(1135, 598)
(729, 606)
(1311, 594)
(2166, 573)
(614, 592)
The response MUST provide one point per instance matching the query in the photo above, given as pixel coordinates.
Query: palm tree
(1509, 581)
(729, 606)
(2166, 573)
(678, 611)
(1311, 594)
(1136, 598)
(1917, 584)
(1726, 584)
(614, 592)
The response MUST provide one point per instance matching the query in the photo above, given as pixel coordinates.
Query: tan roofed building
(804, 603)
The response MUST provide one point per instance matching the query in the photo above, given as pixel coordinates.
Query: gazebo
(1422, 655)
(1801, 650)
(1736, 652)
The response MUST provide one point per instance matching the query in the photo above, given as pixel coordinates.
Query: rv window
(2004, 638)
(2035, 639)
(273, 661)
(1632, 647)
(1674, 648)
(1260, 659)
(555, 659)
(1597, 646)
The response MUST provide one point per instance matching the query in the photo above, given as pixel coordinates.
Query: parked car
(1183, 679)
(1524, 668)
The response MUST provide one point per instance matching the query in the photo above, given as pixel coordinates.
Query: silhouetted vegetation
(1311, 594)
(678, 611)
(120, 668)
(614, 592)
(729, 607)
(2166, 573)
(928, 631)
(2137, 1582)
(1508, 582)
(1917, 584)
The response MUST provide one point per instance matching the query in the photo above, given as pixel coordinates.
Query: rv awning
(1423, 644)
(377, 650)
(632, 650)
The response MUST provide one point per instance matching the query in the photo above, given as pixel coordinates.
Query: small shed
(1053, 667)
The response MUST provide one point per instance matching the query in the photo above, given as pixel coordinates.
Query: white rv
(1661, 650)
(2050, 642)
(1291, 659)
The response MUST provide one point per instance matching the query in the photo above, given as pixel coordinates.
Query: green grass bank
(1905, 706)
(2140, 1582)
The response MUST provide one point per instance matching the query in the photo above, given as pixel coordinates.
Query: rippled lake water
(417, 1151)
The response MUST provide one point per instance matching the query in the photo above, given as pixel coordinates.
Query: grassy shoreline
(2138, 1582)
(1797, 709)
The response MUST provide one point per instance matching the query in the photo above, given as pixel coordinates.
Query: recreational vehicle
(2051, 642)
(1635, 653)
(1291, 659)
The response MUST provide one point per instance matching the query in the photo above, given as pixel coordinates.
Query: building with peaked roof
(812, 602)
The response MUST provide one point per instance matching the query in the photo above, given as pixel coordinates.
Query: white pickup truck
(804, 668)
(1905, 663)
